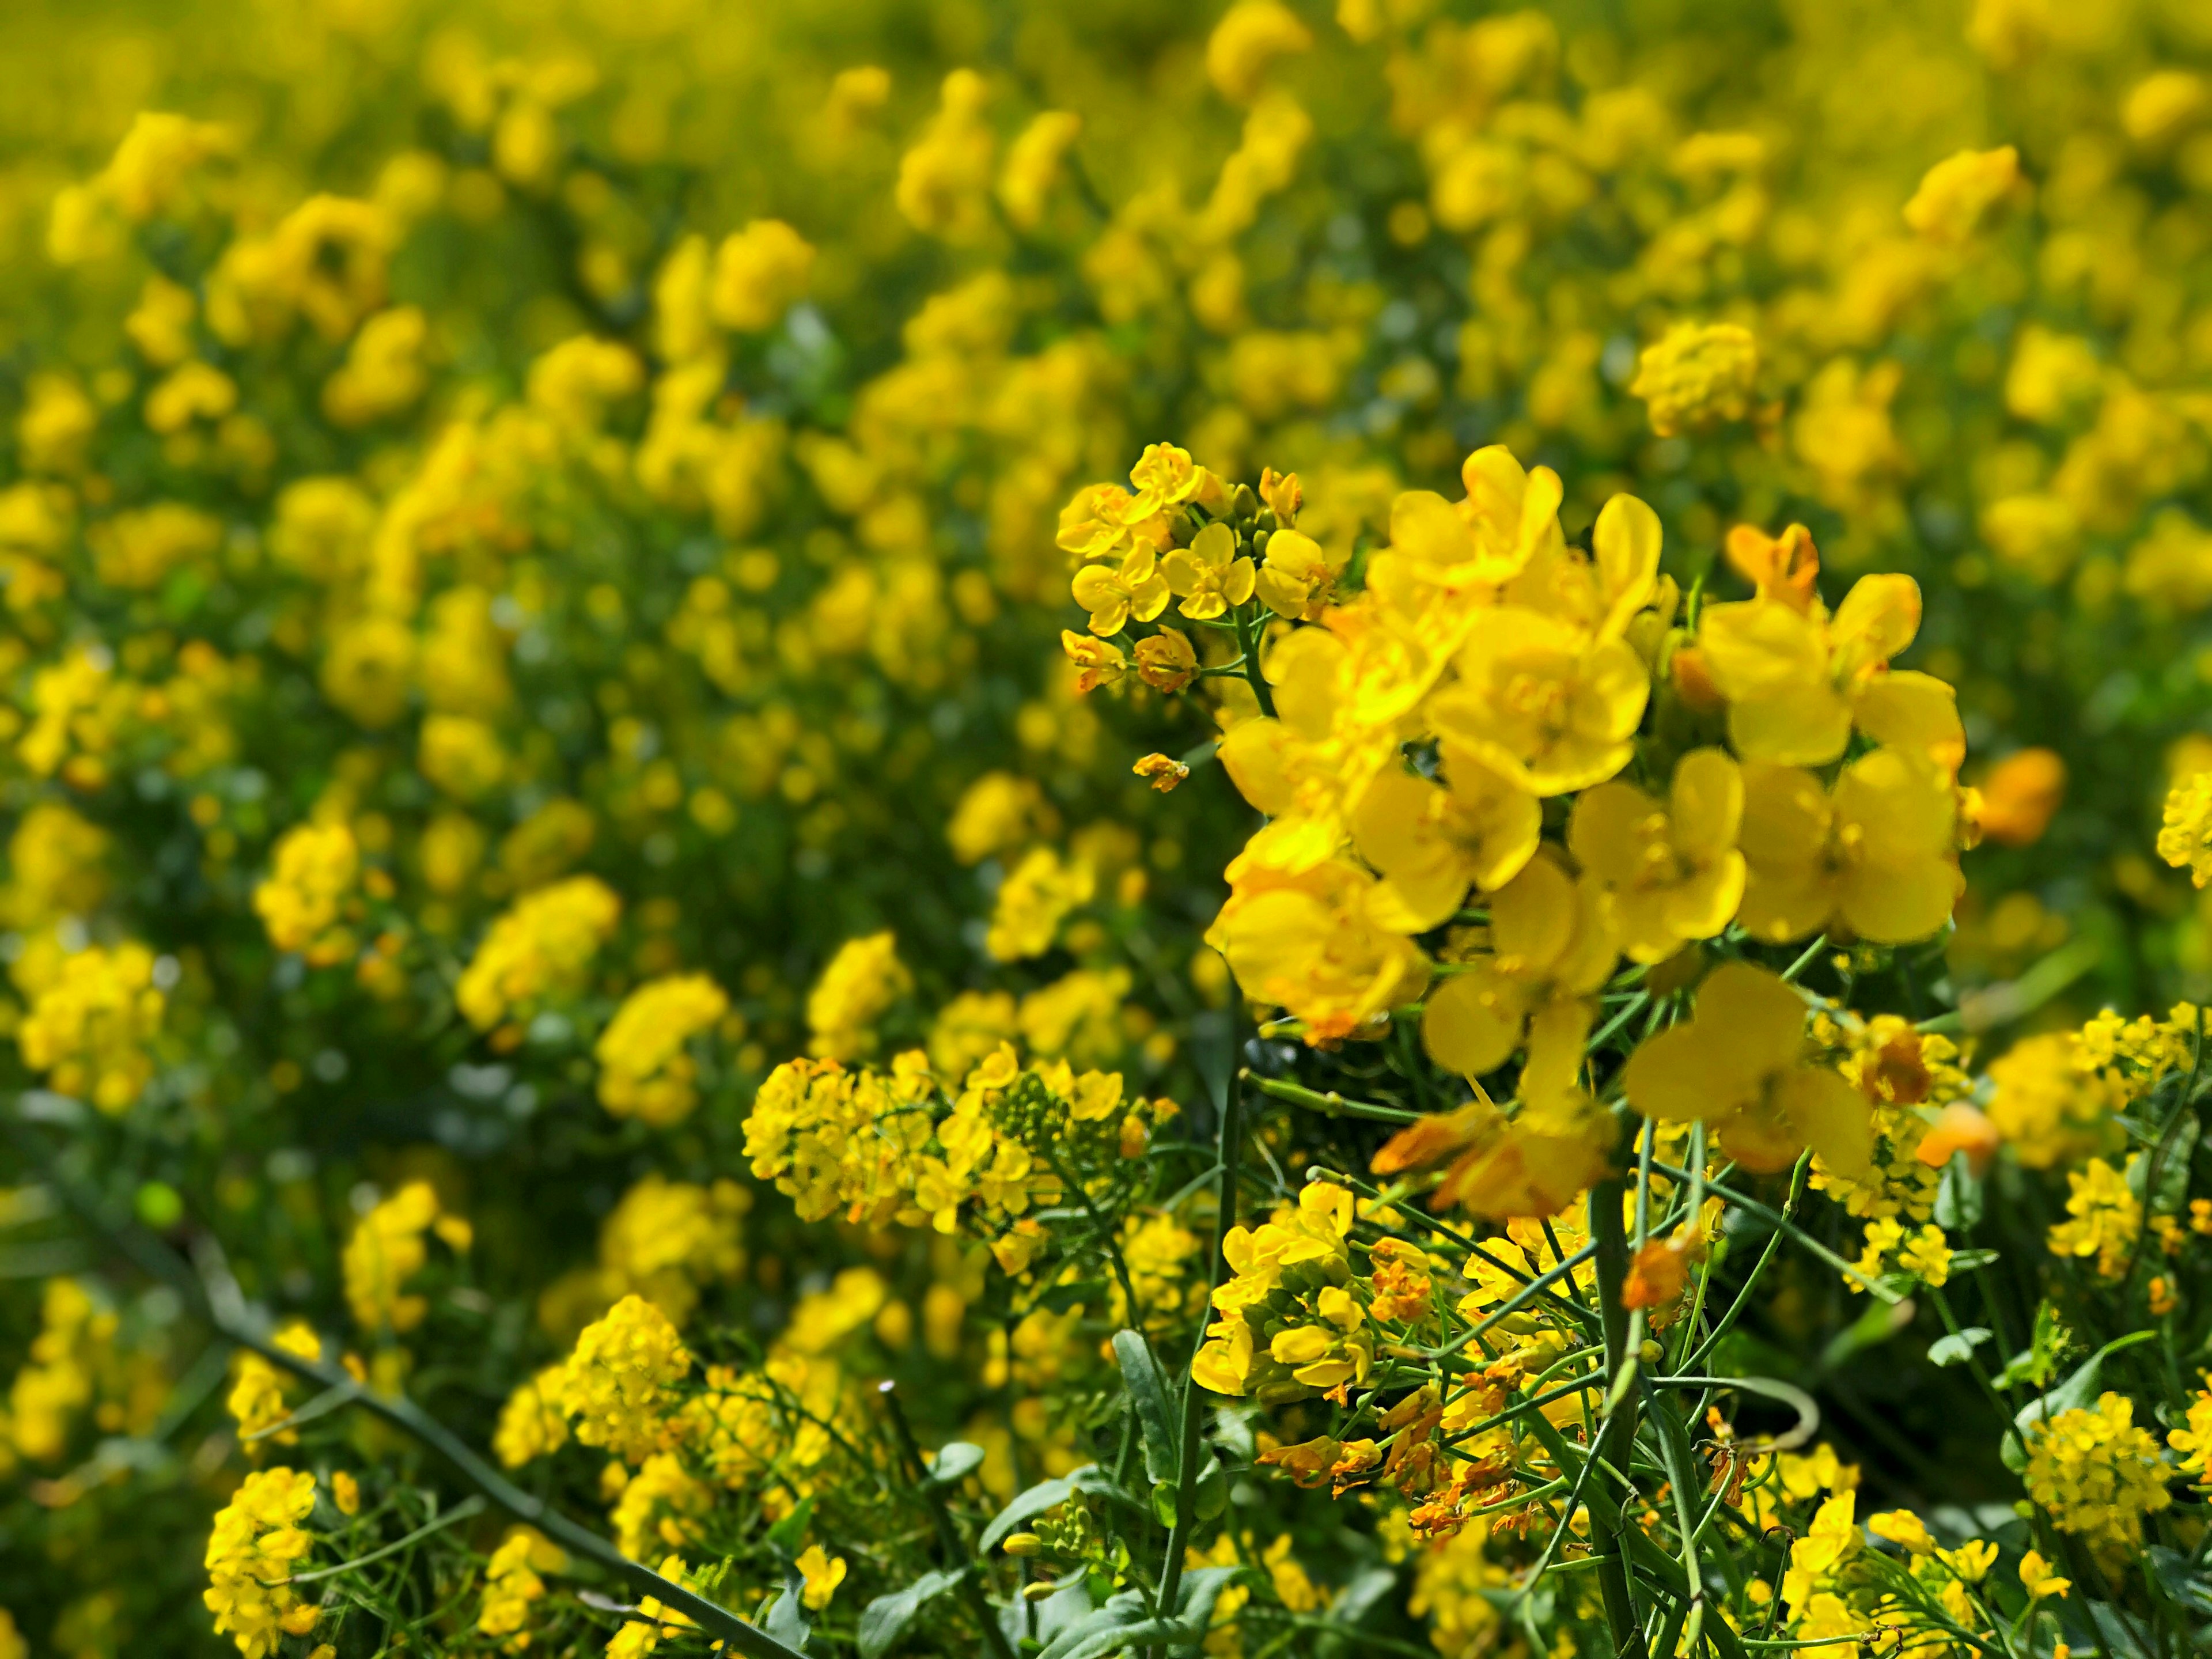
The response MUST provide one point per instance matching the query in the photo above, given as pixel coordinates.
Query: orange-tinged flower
(1162, 772)
(1532, 1164)
(1115, 594)
(2020, 796)
(1785, 569)
(1432, 840)
(1671, 871)
(1874, 856)
(1959, 1128)
(1550, 948)
(1661, 1269)
(1098, 662)
(1166, 661)
(1740, 1065)
(1209, 576)
(1544, 701)
(1308, 1463)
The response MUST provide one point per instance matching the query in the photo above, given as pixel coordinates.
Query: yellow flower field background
(944, 826)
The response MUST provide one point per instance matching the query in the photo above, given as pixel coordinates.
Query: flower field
(886, 827)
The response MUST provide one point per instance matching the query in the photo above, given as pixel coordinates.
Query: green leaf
(1369, 1590)
(1061, 1298)
(956, 1461)
(1148, 1397)
(2182, 1579)
(1202, 1587)
(784, 1536)
(1965, 1261)
(2121, 1632)
(1881, 1322)
(1123, 1622)
(1211, 1495)
(2172, 1169)
(2038, 1361)
(885, 1620)
(1956, 1350)
(2077, 1392)
(1959, 1199)
(787, 1616)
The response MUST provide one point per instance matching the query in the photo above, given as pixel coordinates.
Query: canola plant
(943, 827)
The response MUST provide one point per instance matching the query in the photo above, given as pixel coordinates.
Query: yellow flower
(91, 1024)
(645, 1069)
(2097, 1474)
(759, 273)
(1033, 165)
(256, 1542)
(303, 902)
(1297, 576)
(618, 1384)
(862, 980)
(823, 1572)
(1250, 36)
(2194, 1440)
(1307, 941)
(1904, 1528)
(1431, 841)
(1549, 949)
(1543, 702)
(1831, 1541)
(1098, 523)
(1796, 679)
(1114, 595)
(1972, 1560)
(1162, 772)
(1033, 901)
(1209, 575)
(2037, 1578)
(1698, 375)
(1875, 856)
(1098, 662)
(1672, 872)
(1958, 191)
(1166, 661)
(2107, 1218)
(385, 1249)
(2184, 837)
(1741, 1065)
(1166, 479)
(542, 947)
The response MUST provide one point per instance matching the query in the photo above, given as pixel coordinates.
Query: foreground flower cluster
(1531, 1039)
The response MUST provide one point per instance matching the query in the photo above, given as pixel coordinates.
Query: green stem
(948, 1534)
(1608, 1232)
(1331, 1104)
(1879, 1292)
(1225, 1218)
(1249, 646)
(461, 1511)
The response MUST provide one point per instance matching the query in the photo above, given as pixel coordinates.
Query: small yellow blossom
(823, 1572)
